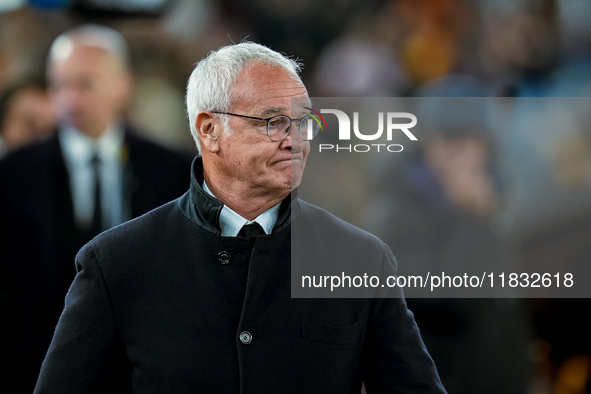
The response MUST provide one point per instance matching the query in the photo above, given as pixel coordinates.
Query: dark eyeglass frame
(268, 120)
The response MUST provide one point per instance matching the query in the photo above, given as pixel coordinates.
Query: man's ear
(209, 131)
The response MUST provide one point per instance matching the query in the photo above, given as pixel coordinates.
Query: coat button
(224, 257)
(245, 337)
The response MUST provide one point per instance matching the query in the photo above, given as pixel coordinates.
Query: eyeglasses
(279, 126)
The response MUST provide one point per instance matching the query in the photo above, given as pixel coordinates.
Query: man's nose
(293, 140)
(68, 95)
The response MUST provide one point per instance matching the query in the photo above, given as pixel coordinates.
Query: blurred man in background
(436, 209)
(94, 173)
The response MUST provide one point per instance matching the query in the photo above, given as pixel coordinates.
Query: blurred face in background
(462, 165)
(89, 87)
(29, 116)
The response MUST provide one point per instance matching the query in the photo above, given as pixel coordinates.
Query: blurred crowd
(379, 48)
(516, 189)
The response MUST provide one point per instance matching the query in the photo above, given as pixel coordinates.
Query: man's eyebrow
(274, 110)
(278, 110)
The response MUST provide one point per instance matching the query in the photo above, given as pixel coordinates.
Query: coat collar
(204, 210)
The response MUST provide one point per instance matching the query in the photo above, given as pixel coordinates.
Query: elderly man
(55, 195)
(195, 296)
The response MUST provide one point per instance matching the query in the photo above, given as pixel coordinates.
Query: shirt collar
(78, 147)
(231, 222)
(204, 210)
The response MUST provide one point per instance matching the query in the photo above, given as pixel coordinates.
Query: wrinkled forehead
(268, 89)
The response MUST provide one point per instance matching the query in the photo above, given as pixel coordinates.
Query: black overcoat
(165, 304)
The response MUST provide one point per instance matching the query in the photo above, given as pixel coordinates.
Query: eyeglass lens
(278, 127)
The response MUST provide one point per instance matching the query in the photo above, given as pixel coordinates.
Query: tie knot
(95, 160)
(251, 230)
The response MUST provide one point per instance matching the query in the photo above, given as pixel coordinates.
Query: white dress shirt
(231, 222)
(78, 150)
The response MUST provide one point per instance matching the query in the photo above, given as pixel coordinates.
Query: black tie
(97, 216)
(251, 230)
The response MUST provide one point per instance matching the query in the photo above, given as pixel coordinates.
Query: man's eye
(279, 122)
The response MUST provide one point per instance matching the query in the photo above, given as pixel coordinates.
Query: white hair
(93, 36)
(209, 86)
